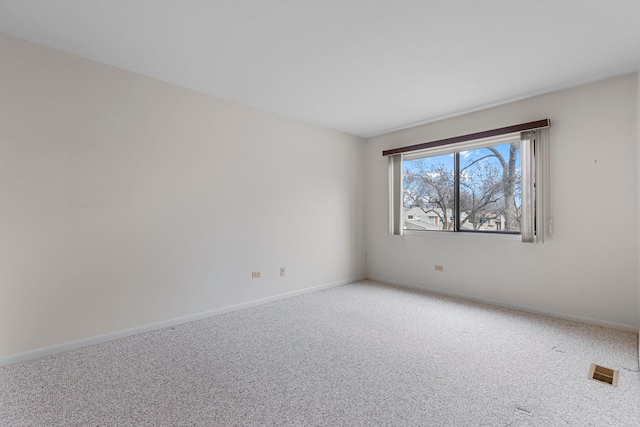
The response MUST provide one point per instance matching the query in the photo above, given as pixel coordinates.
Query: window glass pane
(428, 193)
(490, 188)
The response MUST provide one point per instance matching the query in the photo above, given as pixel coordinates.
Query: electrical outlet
(283, 272)
(256, 275)
(439, 268)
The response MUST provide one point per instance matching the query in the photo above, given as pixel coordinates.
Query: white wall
(125, 201)
(589, 269)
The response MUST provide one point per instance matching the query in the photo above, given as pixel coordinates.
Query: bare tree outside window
(490, 193)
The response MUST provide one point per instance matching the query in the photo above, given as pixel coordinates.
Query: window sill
(463, 235)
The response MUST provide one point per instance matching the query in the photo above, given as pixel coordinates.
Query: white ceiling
(361, 66)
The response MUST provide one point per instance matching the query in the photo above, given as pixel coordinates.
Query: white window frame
(536, 214)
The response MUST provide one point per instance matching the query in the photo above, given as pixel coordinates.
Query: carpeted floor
(362, 354)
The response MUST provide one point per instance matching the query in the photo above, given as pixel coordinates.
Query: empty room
(319, 213)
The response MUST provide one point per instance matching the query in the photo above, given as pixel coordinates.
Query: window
(489, 182)
(466, 190)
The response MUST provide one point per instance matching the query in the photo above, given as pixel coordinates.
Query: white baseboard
(46, 351)
(571, 317)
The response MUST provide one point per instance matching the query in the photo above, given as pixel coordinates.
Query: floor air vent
(603, 375)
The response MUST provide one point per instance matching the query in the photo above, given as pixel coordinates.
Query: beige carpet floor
(364, 354)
